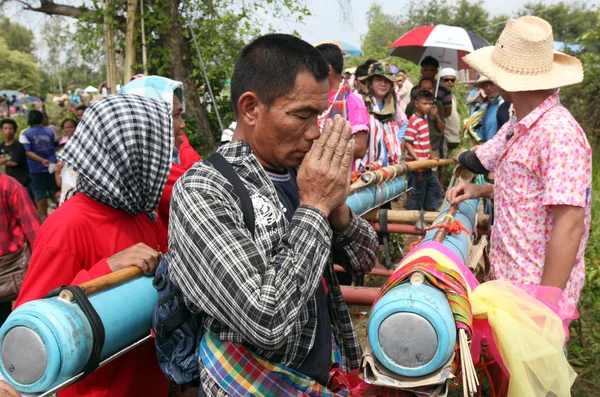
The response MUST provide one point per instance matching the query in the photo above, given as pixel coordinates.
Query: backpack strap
(227, 170)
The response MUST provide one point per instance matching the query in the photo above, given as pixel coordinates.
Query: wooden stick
(110, 280)
(440, 235)
(464, 372)
(412, 217)
(372, 177)
(468, 362)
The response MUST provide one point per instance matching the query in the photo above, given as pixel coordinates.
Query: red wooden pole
(363, 296)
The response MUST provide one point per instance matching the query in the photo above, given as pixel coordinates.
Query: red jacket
(187, 157)
(72, 247)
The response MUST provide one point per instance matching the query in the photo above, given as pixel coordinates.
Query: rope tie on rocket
(454, 228)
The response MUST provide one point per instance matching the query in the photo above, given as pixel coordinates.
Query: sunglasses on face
(449, 80)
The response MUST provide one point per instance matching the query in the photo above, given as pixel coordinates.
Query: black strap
(227, 170)
(97, 327)
(383, 229)
(170, 323)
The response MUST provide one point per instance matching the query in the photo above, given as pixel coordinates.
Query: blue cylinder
(412, 330)
(48, 341)
(466, 215)
(370, 197)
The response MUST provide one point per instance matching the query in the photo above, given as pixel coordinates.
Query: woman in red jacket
(184, 155)
(122, 150)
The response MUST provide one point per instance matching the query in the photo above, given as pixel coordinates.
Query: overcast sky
(325, 23)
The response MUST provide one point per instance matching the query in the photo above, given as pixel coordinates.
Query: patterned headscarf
(122, 151)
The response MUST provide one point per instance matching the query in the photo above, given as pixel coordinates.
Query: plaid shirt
(261, 291)
(18, 217)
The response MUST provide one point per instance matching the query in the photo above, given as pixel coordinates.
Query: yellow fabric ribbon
(529, 337)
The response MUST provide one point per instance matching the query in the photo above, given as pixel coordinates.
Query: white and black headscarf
(122, 151)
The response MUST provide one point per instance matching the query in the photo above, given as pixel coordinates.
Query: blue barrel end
(42, 344)
(412, 330)
(45, 342)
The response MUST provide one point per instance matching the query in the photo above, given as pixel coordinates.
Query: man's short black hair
(269, 65)
(363, 69)
(81, 107)
(424, 94)
(35, 118)
(333, 56)
(430, 61)
(9, 121)
(427, 79)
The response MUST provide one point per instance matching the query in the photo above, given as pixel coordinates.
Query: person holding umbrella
(387, 126)
(429, 70)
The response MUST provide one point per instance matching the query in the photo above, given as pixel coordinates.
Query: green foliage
(17, 69)
(17, 37)
(383, 31)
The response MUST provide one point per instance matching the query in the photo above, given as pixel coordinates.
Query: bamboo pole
(372, 177)
(144, 52)
(412, 217)
(105, 282)
(441, 233)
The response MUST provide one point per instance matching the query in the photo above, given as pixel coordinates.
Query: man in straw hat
(543, 167)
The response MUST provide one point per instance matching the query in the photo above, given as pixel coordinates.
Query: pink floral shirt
(546, 161)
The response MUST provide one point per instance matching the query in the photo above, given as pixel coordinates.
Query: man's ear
(248, 108)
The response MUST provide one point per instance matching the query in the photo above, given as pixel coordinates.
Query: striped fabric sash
(241, 373)
(340, 102)
(447, 280)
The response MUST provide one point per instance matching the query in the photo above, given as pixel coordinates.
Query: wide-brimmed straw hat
(523, 58)
(383, 69)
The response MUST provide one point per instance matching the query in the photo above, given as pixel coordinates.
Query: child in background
(426, 192)
(68, 126)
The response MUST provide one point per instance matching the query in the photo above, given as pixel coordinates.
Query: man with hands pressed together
(542, 162)
(269, 299)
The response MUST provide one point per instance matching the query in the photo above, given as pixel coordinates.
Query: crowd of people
(273, 316)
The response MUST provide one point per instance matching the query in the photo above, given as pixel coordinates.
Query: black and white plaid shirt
(261, 291)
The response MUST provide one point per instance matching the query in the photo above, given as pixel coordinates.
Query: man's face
(381, 86)
(178, 123)
(448, 81)
(8, 131)
(428, 71)
(284, 132)
(401, 79)
(426, 85)
(79, 114)
(490, 89)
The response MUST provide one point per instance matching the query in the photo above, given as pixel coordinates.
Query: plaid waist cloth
(241, 373)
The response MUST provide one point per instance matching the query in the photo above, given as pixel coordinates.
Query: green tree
(54, 33)
(221, 29)
(470, 16)
(17, 69)
(17, 37)
(383, 31)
